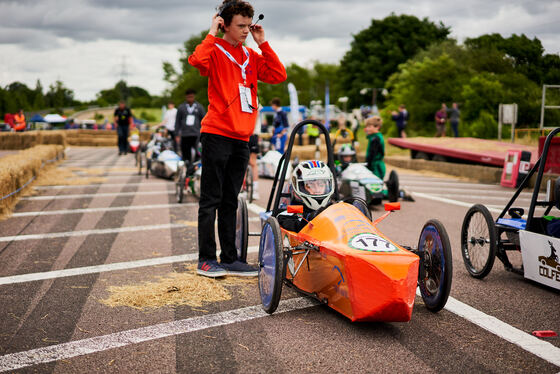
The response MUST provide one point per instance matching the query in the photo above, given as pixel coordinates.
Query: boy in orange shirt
(232, 70)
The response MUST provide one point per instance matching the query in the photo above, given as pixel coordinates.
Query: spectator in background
(441, 119)
(312, 131)
(187, 125)
(281, 126)
(454, 115)
(169, 122)
(123, 121)
(9, 120)
(400, 118)
(376, 146)
(19, 121)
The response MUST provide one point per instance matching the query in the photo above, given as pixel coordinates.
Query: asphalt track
(64, 247)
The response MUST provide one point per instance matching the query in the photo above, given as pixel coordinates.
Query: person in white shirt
(169, 122)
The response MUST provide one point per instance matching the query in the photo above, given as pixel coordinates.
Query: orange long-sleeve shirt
(224, 115)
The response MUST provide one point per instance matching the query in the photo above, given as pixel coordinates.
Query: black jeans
(122, 132)
(187, 144)
(224, 161)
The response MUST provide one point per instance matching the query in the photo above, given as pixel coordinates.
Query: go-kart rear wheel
(393, 187)
(478, 241)
(436, 266)
(271, 264)
(359, 203)
(241, 229)
(249, 183)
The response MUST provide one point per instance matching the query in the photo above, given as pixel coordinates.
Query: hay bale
(17, 170)
(28, 139)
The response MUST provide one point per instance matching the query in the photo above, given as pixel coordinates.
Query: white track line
(32, 277)
(63, 351)
(449, 201)
(88, 195)
(75, 186)
(68, 234)
(97, 210)
(437, 189)
(474, 196)
(529, 343)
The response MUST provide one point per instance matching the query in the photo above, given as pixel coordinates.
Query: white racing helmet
(346, 150)
(313, 183)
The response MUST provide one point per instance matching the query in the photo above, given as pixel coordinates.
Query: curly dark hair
(230, 8)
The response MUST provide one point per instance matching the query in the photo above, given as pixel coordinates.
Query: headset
(230, 4)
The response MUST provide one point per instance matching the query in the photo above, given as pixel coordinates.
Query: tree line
(17, 95)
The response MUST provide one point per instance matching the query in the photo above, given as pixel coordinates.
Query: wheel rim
(477, 242)
(267, 265)
(239, 230)
(432, 263)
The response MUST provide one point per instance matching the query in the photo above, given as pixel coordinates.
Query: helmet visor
(315, 187)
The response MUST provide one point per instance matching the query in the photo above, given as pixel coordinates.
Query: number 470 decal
(371, 242)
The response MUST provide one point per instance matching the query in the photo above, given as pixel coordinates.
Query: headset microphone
(261, 16)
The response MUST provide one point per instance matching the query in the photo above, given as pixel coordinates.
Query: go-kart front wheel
(180, 184)
(139, 161)
(271, 264)
(478, 241)
(148, 166)
(241, 229)
(436, 268)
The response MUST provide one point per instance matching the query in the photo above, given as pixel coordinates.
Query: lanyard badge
(244, 91)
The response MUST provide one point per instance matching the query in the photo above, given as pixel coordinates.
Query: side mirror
(295, 209)
(389, 207)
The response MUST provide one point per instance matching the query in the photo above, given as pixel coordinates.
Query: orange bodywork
(357, 270)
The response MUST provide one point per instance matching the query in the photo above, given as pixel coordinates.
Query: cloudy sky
(85, 42)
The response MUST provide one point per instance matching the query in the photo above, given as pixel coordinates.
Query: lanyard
(242, 67)
(190, 108)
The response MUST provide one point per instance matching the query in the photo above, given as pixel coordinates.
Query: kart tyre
(180, 185)
(249, 183)
(436, 266)
(360, 204)
(479, 241)
(393, 187)
(271, 265)
(139, 161)
(241, 229)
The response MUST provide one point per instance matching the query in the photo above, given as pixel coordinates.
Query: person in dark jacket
(123, 121)
(400, 118)
(281, 126)
(187, 124)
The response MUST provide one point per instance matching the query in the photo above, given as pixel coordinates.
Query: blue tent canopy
(37, 118)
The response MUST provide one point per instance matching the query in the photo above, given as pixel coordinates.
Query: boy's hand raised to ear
(217, 21)
(258, 33)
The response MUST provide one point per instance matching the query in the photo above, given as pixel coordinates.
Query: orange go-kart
(343, 260)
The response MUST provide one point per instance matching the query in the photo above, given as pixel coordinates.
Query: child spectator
(376, 146)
